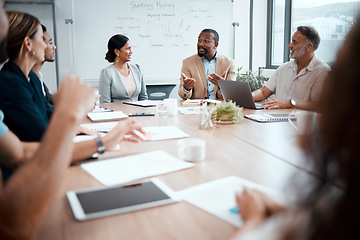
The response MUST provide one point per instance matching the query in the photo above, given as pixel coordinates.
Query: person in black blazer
(26, 114)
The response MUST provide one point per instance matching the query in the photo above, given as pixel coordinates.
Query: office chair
(159, 92)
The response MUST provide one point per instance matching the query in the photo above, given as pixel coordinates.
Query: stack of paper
(105, 116)
(130, 168)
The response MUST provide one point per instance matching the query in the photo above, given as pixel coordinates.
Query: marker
(234, 210)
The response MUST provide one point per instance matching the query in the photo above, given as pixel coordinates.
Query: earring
(33, 53)
(117, 58)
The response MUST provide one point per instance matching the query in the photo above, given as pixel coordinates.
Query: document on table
(200, 101)
(104, 116)
(129, 168)
(218, 197)
(191, 110)
(162, 133)
(143, 103)
(100, 127)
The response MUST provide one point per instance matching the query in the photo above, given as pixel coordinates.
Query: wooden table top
(264, 153)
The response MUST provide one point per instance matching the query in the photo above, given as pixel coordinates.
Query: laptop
(239, 92)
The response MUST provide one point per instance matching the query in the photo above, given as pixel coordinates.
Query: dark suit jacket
(49, 97)
(25, 107)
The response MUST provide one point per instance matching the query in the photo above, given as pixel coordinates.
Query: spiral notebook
(270, 117)
(100, 127)
(106, 116)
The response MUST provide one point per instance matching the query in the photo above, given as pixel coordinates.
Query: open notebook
(270, 117)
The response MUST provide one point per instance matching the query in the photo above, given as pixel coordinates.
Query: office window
(339, 28)
(332, 18)
(278, 32)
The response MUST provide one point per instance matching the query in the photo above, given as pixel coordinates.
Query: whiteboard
(162, 33)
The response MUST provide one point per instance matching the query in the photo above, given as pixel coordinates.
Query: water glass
(162, 110)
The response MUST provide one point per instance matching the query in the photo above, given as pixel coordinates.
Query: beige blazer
(193, 67)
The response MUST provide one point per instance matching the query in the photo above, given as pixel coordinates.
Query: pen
(234, 210)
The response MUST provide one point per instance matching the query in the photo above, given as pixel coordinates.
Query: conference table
(263, 153)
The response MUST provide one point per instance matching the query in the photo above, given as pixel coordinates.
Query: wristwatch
(292, 102)
(100, 145)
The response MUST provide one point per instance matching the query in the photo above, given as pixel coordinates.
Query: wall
(162, 33)
(66, 59)
(45, 15)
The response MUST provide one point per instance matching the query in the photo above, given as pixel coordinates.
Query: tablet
(104, 201)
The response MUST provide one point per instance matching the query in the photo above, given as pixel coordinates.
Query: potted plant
(255, 79)
(227, 112)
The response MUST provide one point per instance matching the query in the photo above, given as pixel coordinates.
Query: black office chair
(159, 91)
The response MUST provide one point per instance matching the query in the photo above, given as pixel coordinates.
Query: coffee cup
(305, 122)
(172, 104)
(191, 149)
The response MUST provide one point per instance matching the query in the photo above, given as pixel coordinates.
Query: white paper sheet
(191, 110)
(104, 116)
(218, 197)
(162, 133)
(125, 169)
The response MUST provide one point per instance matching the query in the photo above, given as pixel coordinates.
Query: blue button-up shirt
(209, 67)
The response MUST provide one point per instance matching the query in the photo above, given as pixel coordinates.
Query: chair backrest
(159, 91)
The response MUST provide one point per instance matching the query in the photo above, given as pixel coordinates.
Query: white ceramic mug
(191, 149)
(172, 104)
(305, 122)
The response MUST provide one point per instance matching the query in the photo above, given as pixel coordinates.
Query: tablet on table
(104, 201)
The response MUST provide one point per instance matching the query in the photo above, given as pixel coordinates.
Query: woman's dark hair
(335, 152)
(21, 25)
(115, 42)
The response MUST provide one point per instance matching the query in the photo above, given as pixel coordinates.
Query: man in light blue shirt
(209, 67)
(200, 72)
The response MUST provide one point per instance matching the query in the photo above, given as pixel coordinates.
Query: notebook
(105, 116)
(100, 127)
(270, 117)
(239, 92)
(143, 103)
